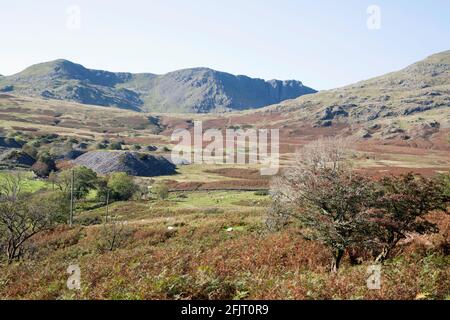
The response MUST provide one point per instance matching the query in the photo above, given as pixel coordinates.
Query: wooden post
(107, 206)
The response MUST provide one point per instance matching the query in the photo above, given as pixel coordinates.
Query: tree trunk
(354, 257)
(335, 263)
(11, 253)
(387, 250)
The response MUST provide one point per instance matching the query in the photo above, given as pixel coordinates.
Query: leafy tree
(326, 197)
(121, 186)
(85, 180)
(402, 206)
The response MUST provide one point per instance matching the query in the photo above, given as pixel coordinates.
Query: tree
(42, 169)
(121, 186)
(112, 235)
(11, 187)
(85, 180)
(328, 199)
(23, 216)
(402, 206)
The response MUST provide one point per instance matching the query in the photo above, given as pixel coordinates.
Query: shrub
(136, 147)
(121, 186)
(161, 190)
(115, 146)
(262, 193)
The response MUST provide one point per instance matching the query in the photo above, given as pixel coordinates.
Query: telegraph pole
(107, 206)
(71, 198)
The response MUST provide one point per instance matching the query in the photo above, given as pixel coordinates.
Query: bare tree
(11, 186)
(112, 234)
(22, 217)
(325, 195)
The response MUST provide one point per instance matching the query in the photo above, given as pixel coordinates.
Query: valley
(185, 230)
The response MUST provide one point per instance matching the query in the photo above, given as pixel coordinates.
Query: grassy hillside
(421, 87)
(196, 248)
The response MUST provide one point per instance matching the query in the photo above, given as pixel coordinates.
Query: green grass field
(31, 183)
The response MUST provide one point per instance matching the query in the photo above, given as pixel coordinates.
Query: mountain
(198, 90)
(419, 88)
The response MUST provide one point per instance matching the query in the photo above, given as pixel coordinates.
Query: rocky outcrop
(9, 143)
(133, 163)
(197, 90)
(16, 157)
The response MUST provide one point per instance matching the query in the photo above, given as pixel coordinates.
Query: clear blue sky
(324, 43)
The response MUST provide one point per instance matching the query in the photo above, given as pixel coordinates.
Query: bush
(161, 190)
(136, 147)
(262, 193)
(30, 150)
(42, 169)
(121, 186)
(115, 146)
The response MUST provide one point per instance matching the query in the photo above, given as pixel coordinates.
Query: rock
(392, 130)
(365, 134)
(133, 163)
(7, 89)
(73, 154)
(17, 157)
(9, 143)
(330, 113)
(412, 110)
(323, 124)
(82, 146)
(374, 126)
(431, 125)
(178, 161)
(151, 148)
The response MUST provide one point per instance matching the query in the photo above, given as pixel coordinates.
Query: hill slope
(421, 87)
(198, 90)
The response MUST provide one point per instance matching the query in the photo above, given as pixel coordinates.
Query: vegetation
(346, 211)
(121, 186)
(84, 180)
(161, 190)
(208, 239)
(22, 216)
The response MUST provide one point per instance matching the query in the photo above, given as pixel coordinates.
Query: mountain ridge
(193, 90)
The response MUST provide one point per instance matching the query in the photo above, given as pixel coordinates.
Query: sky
(323, 43)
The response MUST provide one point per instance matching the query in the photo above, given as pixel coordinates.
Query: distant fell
(197, 90)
